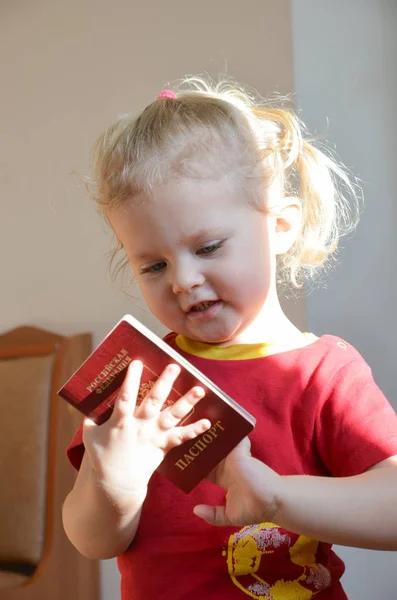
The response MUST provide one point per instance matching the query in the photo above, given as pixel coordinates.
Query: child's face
(200, 256)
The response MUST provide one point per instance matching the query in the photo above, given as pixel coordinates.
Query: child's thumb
(88, 424)
(214, 515)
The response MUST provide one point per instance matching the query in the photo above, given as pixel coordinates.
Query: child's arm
(101, 513)
(99, 522)
(358, 511)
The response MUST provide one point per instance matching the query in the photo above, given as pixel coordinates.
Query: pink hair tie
(167, 94)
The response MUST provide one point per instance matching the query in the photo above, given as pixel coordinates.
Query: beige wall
(72, 67)
(68, 68)
(357, 42)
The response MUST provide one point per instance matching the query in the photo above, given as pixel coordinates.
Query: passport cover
(93, 388)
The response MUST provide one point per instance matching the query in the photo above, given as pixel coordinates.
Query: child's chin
(221, 333)
(216, 339)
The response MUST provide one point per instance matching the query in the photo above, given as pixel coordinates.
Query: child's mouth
(205, 310)
(202, 306)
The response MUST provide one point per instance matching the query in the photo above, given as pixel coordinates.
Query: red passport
(92, 389)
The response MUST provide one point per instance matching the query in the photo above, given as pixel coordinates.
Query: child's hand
(125, 450)
(251, 489)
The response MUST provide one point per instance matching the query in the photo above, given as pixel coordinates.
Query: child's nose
(185, 277)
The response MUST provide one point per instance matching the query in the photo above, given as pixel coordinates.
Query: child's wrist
(288, 493)
(122, 499)
(280, 494)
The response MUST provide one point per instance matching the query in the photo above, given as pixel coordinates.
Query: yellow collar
(240, 351)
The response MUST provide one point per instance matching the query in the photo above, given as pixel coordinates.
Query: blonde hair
(222, 129)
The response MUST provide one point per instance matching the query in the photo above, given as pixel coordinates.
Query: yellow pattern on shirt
(249, 546)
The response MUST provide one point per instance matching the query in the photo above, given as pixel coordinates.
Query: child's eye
(210, 249)
(156, 268)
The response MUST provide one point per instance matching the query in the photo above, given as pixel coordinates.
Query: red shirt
(318, 412)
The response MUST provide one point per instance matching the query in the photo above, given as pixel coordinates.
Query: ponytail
(330, 200)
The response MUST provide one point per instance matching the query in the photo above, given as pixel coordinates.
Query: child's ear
(287, 222)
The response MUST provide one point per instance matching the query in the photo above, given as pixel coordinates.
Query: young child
(215, 198)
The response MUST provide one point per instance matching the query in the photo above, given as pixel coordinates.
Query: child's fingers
(214, 515)
(172, 415)
(155, 399)
(180, 435)
(126, 399)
